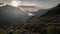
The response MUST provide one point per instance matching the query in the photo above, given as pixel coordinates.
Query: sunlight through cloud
(15, 3)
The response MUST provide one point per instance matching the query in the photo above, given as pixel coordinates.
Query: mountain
(10, 15)
(52, 15)
(2, 4)
(46, 23)
(39, 12)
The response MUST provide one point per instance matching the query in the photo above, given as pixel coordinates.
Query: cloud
(40, 3)
(44, 3)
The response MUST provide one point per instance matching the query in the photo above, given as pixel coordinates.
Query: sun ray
(15, 3)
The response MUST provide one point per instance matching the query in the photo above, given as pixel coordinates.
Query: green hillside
(48, 23)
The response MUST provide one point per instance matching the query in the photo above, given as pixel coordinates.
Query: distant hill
(10, 15)
(2, 4)
(39, 12)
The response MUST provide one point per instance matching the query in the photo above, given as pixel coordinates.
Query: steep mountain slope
(10, 15)
(51, 16)
(40, 24)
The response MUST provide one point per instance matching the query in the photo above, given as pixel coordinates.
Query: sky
(40, 3)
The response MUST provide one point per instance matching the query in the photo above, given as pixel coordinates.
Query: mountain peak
(10, 15)
(58, 5)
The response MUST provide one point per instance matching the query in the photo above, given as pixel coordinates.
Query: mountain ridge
(10, 15)
(51, 16)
